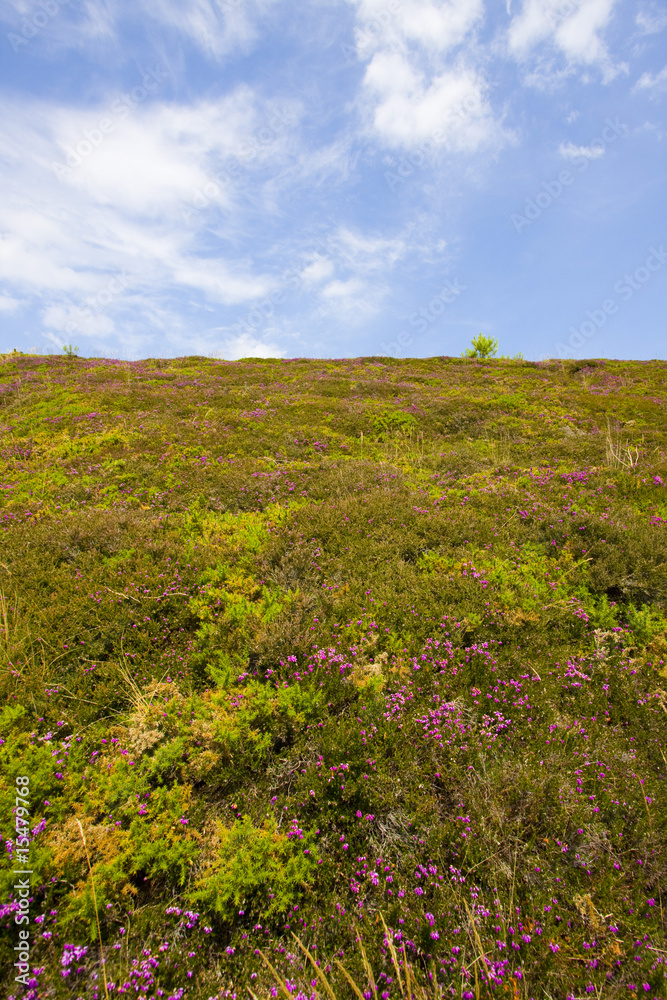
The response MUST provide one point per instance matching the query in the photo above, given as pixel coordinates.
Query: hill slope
(296, 644)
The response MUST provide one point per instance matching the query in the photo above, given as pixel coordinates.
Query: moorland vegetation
(328, 672)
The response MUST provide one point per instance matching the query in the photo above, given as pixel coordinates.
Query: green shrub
(257, 870)
(482, 347)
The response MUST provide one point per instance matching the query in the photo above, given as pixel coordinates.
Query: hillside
(301, 646)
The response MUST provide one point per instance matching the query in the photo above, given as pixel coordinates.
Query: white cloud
(319, 270)
(244, 345)
(411, 106)
(119, 207)
(157, 156)
(366, 254)
(357, 257)
(350, 289)
(220, 281)
(573, 28)
(353, 301)
(651, 81)
(437, 26)
(75, 319)
(420, 85)
(571, 152)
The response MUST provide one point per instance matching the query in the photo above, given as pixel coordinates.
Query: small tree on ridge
(482, 347)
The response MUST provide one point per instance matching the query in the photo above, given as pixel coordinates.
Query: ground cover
(354, 650)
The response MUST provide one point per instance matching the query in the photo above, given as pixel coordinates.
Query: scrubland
(328, 655)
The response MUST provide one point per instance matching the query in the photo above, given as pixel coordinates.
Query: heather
(354, 650)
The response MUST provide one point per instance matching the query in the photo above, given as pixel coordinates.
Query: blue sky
(335, 178)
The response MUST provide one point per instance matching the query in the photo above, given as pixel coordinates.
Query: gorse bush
(371, 653)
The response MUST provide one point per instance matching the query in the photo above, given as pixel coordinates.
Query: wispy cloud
(216, 27)
(652, 81)
(90, 193)
(366, 253)
(572, 29)
(651, 19)
(8, 303)
(569, 151)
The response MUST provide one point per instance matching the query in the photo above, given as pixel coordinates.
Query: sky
(333, 178)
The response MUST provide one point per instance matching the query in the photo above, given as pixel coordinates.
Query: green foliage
(258, 870)
(646, 623)
(482, 347)
(390, 421)
(9, 715)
